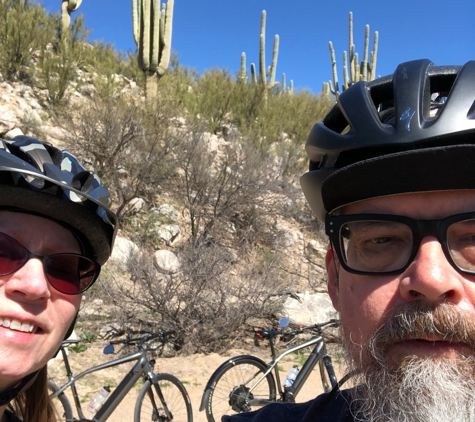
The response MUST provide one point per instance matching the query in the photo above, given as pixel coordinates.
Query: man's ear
(333, 268)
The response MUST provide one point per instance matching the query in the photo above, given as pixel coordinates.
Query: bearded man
(392, 175)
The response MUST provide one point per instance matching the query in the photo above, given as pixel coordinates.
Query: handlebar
(269, 334)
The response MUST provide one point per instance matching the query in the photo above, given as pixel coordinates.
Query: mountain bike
(246, 382)
(162, 397)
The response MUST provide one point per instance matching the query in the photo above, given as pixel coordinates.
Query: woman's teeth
(16, 325)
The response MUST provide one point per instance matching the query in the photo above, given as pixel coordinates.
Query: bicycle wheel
(61, 404)
(231, 392)
(150, 408)
(327, 373)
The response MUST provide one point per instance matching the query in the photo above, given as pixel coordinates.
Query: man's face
(364, 301)
(411, 335)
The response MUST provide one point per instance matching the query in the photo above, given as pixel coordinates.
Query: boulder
(310, 309)
(123, 250)
(166, 262)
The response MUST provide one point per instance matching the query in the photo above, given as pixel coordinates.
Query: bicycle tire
(228, 396)
(327, 374)
(61, 404)
(149, 408)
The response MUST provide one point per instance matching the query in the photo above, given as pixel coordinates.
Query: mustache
(419, 320)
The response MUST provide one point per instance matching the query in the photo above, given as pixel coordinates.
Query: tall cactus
(153, 35)
(365, 71)
(67, 7)
(263, 71)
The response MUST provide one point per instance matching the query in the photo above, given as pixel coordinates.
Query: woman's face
(34, 317)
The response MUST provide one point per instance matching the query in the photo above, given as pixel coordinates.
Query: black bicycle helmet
(413, 131)
(38, 178)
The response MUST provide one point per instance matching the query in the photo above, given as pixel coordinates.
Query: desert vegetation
(226, 153)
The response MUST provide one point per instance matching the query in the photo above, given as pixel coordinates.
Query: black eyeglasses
(69, 273)
(377, 244)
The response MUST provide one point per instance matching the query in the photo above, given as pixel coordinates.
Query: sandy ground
(194, 372)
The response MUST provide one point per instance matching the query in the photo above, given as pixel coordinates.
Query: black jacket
(324, 408)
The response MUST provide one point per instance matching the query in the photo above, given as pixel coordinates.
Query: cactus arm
(284, 83)
(253, 74)
(167, 39)
(273, 68)
(291, 87)
(67, 7)
(365, 54)
(136, 20)
(65, 16)
(346, 82)
(357, 69)
(243, 72)
(351, 45)
(73, 5)
(262, 50)
(334, 69)
(374, 55)
(146, 20)
(155, 23)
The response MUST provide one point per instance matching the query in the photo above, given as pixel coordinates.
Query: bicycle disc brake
(239, 399)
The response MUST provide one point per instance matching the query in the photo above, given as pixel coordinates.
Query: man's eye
(382, 239)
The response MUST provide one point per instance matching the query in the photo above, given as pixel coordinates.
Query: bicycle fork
(153, 378)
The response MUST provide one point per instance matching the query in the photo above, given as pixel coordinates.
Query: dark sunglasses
(68, 273)
(378, 244)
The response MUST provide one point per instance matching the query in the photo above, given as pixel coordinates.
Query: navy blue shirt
(324, 408)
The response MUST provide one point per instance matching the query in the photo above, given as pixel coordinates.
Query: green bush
(24, 29)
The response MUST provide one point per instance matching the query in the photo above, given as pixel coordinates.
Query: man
(392, 174)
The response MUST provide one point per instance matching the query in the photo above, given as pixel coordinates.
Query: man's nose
(430, 276)
(29, 282)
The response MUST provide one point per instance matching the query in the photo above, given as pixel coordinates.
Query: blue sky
(213, 33)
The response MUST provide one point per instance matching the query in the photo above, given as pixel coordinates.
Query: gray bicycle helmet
(38, 178)
(412, 131)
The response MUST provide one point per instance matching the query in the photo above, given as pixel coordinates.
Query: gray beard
(421, 390)
(417, 389)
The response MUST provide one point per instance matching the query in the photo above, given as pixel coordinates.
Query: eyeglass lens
(385, 246)
(67, 272)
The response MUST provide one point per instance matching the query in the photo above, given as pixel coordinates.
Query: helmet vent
(471, 112)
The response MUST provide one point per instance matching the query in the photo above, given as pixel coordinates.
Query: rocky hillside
(225, 241)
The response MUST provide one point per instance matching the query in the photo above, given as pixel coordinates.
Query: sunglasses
(375, 244)
(68, 273)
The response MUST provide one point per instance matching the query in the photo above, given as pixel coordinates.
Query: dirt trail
(194, 371)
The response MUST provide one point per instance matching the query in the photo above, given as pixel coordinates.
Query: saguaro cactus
(365, 71)
(263, 71)
(153, 37)
(67, 7)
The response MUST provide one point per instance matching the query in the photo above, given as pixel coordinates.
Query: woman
(56, 230)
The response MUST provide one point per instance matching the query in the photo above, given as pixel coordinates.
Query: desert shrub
(208, 302)
(126, 143)
(226, 188)
(58, 63)
(213, 97)
(24, 29)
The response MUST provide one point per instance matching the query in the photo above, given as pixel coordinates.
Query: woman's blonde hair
(34, 404)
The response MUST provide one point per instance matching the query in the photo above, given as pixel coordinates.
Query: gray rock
(13, 133)
(124, 249)
(166, 262)
(311, 309)
(136, 205)
(169, 233)
(167, 211)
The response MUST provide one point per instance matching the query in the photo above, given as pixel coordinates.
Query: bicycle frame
(141, 369)
(319, 352)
